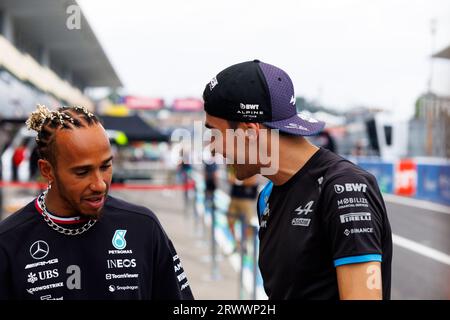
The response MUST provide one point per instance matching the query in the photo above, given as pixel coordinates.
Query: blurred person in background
(324, 231)
(326, 141)
(185, 171)
(18, 157)
(211, 176)
(34, 168)
(243, 194)
(74, 241)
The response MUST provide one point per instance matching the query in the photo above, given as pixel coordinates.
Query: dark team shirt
(330, 213)
(125, 255)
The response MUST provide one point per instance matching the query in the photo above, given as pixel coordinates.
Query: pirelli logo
(355, 216)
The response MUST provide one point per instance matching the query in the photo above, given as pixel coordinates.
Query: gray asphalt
(415, 276)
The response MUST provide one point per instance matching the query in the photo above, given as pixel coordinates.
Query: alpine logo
(357, 187)
(292, 100)
(305, 210)
(355, 216)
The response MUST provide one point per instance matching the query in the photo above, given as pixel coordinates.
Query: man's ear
(46, 170)
(251, 130)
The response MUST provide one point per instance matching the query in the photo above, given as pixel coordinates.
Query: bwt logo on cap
(249, 106)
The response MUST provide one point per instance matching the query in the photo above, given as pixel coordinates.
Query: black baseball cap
(255, 91)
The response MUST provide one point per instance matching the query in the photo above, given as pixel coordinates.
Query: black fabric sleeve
(353, 218)
(170, 281)
(5, 278)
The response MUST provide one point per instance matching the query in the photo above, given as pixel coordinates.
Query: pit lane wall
(420, 178)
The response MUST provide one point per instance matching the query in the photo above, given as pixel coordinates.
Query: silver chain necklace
(58, 228)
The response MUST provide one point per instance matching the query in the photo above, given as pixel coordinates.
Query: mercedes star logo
(39, 249)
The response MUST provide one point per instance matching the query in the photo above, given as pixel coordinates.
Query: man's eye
(106, 167)
(81, 173)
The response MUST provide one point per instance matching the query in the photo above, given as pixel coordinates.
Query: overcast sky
(342, 53)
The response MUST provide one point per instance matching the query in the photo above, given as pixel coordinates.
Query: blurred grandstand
(43, 61)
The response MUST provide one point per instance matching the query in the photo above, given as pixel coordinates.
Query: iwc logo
(118, 239)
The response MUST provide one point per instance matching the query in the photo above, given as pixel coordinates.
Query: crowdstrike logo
(39, 250)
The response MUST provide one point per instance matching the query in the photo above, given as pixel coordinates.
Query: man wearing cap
(324, 232)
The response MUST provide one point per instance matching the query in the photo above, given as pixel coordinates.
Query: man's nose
(98, 184)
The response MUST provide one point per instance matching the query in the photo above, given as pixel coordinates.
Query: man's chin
(241, 173)
(92, 214)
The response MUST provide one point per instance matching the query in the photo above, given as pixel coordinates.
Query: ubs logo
(39, 250)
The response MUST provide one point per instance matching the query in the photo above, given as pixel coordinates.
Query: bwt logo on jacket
(357, 187)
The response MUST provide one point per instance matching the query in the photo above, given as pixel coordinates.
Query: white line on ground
(422, 204)
(421, 249)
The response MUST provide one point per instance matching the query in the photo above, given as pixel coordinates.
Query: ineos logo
(39, 250)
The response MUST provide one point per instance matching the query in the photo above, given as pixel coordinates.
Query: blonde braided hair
(46, 122)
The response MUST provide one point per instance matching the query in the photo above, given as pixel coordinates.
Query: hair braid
(46, 123)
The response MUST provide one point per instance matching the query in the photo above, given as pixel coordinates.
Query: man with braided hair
(74, 241)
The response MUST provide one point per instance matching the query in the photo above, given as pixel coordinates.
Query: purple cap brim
(298, 124)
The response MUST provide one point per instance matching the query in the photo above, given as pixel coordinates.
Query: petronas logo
(118, 239)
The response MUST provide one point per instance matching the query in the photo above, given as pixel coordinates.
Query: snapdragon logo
(237, 146)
